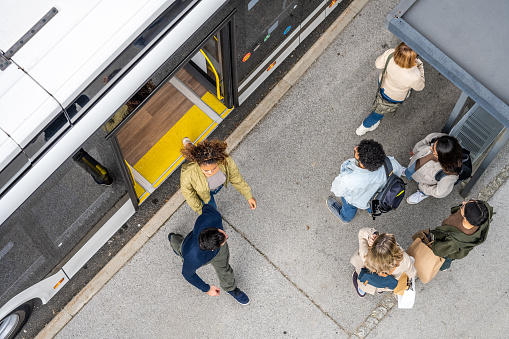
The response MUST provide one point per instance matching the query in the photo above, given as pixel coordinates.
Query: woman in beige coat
(208, 169)
(437, 152)
(380, 254)
(404, 72)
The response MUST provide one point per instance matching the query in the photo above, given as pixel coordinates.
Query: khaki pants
(220, 263)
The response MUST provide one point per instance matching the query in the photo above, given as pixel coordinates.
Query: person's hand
(252, 203)
(372, 238)
(214, 291)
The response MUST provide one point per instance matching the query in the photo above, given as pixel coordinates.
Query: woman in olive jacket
(437, 152)
(208, 169)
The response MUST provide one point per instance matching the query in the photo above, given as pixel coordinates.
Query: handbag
(407, 300)
(426, 262)
(378, 281)
(380, 105)
(402, 284)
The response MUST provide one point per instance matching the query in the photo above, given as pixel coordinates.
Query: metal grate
(477, 130)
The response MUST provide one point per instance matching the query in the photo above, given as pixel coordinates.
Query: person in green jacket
(208, 170)
(466, 228)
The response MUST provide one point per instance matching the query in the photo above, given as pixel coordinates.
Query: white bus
(95, 98)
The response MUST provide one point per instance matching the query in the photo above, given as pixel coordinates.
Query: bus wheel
(12, 324)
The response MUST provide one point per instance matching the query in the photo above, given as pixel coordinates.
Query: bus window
(116, 69)
(52, 131)
(55, 218)
(264, 27)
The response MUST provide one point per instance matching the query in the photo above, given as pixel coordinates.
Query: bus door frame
(228, 52)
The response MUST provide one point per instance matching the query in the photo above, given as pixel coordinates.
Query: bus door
(190, 102)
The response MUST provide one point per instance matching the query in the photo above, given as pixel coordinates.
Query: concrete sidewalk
(290, 255)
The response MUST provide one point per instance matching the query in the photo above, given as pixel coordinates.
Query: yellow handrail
(219, 96)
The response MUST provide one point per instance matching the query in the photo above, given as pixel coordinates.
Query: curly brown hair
(384, 254)
(207, 152)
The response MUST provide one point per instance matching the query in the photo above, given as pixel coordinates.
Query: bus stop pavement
(291, 255)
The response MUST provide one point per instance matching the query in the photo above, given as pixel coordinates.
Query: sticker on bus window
(271, 65)
(251, 4)
(273, 27)
(244, 59)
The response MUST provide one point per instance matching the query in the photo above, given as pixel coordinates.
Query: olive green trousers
(220, 263)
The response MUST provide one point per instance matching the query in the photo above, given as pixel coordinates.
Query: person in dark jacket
(206, 244)
(466, 228)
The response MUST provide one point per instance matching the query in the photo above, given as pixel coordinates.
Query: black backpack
(390, 196)
(466, 168)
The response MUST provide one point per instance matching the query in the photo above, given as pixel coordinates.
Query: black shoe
(240, 296)
(107, 181)
(169, 239)
(354, 280)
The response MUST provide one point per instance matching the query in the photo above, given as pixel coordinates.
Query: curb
(170, 207)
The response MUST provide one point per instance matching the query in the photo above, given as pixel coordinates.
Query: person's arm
(444, 248)
(426, 141)
(382, 59)
(189, 273)
(418, 85)
(442, 187)
(188, 191)
(396, 167)
(239, 183)
(339, 186)
(408, 266)
(366, 236)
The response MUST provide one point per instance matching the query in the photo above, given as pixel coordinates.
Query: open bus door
(190, 101)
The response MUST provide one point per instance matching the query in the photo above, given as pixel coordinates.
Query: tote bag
(408, 298)
(426, 262)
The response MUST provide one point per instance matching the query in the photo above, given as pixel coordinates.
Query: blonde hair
(384, 255)
(404, 56)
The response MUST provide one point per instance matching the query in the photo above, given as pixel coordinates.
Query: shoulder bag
(380, 105)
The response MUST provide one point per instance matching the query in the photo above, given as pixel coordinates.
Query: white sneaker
(361, 130)
(403, 173)
(416, 198)
(186, 141)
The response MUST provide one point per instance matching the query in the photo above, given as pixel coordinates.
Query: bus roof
(61, 59)
(196, 14)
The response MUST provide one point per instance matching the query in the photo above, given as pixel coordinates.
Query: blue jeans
(212, 201)
(347, 211)
(410, 171)
(373, 117)
(447, 264)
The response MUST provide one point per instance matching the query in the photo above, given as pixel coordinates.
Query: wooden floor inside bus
(152, 139)
(156, 118)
